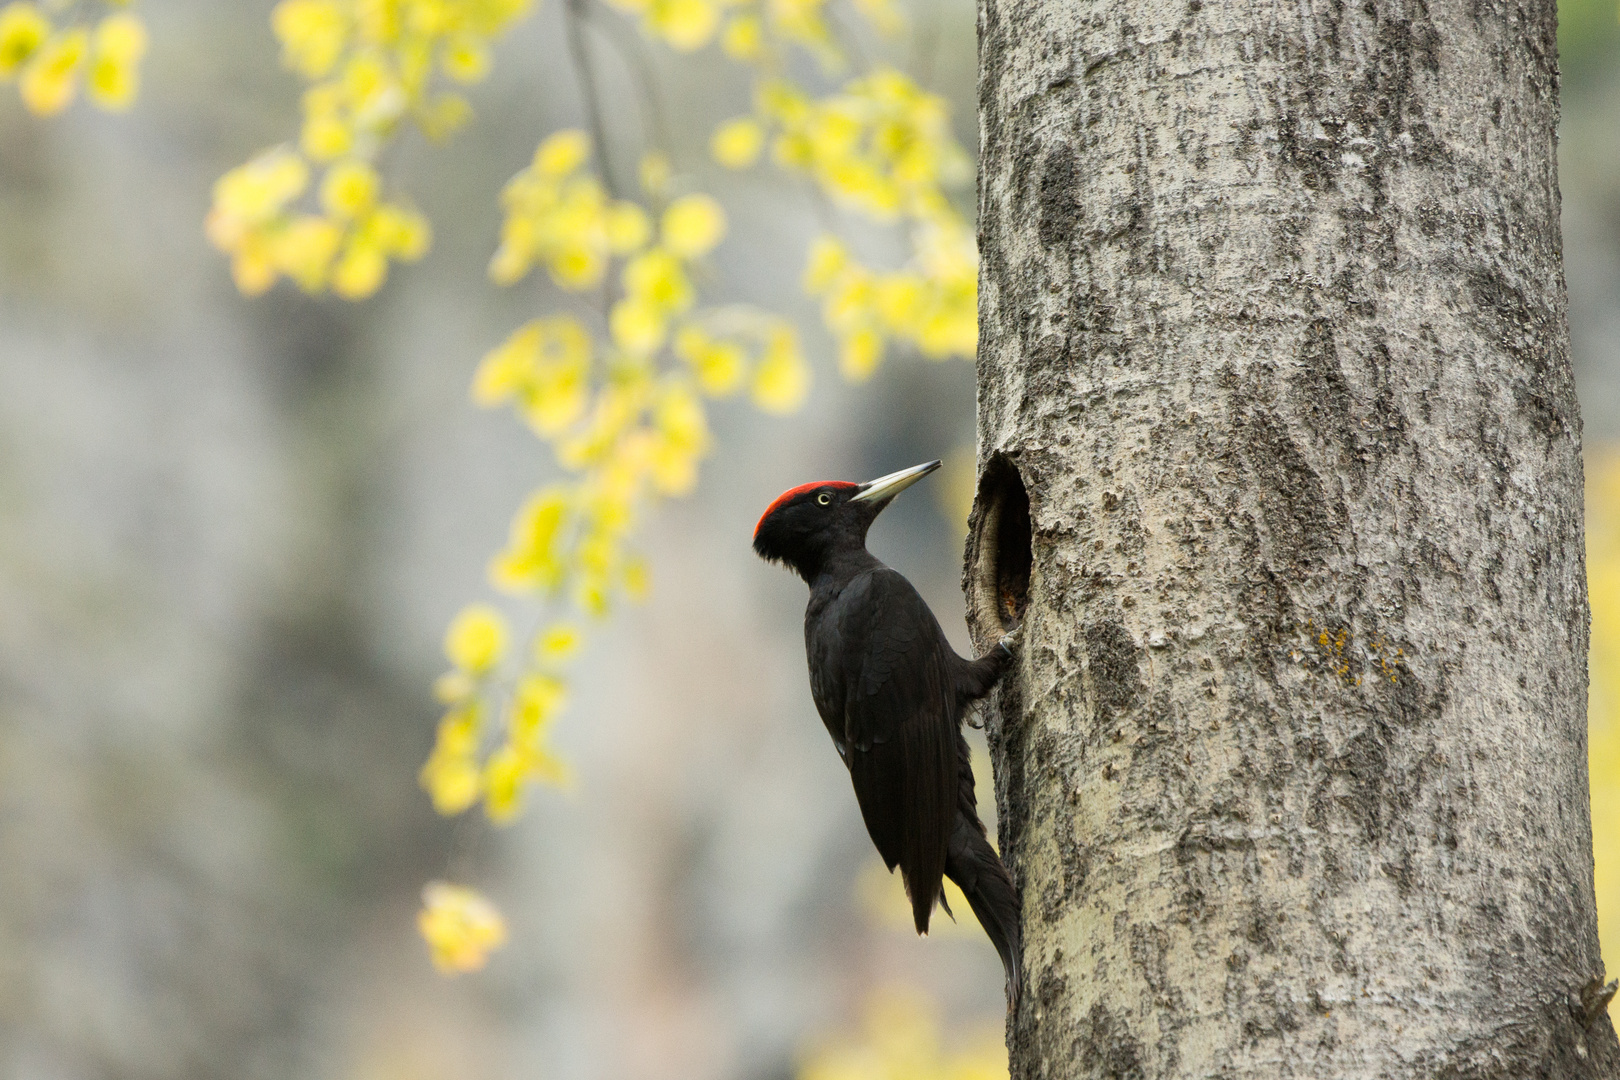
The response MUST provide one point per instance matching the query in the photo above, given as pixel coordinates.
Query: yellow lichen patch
(1334, 650)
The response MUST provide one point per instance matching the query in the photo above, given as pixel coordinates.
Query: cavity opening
(1000, 557)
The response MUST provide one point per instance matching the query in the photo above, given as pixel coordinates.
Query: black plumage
(892, 693)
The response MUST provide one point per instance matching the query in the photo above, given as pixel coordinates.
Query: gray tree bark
(1281, 472)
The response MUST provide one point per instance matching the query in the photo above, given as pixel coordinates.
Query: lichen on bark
(1292, 770)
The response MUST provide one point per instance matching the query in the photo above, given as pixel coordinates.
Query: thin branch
(574, 11)
(633, 54)
(924, 45)
(849, 37)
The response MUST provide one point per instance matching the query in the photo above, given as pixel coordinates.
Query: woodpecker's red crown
(793, 493)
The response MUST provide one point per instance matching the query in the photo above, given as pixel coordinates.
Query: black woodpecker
(892, 693)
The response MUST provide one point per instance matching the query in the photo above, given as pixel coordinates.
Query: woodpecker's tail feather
(976, 868)
(978, 871)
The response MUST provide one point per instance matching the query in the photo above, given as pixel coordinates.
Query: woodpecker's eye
(824, 498)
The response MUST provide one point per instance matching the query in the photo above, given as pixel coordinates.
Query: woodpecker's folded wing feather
(900, 729)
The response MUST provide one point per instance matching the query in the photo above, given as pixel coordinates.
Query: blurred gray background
(232, 532)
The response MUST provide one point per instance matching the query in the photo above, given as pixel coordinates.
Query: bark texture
(1293, 767)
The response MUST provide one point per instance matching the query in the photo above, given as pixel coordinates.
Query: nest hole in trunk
(1001, 548)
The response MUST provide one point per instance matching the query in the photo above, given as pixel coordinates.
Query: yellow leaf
(23, 29)
(637, 327)
(504, 777)
(562, 153)
(313, 34)
(325, 136)
(452, 781)
(627, 228)
(656, 279)
(115, 56)
(360, 272)
(685, 24)
(460, 926)
(827, 261)
(532, 559)
(476, 640)
(557, 644)
(49, 78)
(859, 355)
(305, 248)
(253, 193)
(737, 143)
(506, 368)
(252, 268)
(693, 225)
(577, 267)
(349, 189)
(465, 58)
(557, 389)
(782, 380)
(743, 38)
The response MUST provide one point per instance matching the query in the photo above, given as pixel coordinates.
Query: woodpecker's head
(808, 523)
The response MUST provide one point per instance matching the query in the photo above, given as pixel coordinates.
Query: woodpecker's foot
(1010, 641)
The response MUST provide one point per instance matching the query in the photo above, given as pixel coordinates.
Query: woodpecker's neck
(839, 551)
(839, 568)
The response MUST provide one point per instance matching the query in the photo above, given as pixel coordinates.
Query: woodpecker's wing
(899, 727)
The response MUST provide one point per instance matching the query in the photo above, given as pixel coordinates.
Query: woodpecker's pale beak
(885, 488)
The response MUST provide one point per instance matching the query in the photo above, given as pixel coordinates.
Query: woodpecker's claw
(1011, 640)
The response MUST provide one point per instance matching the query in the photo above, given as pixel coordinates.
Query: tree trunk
(1281, 471)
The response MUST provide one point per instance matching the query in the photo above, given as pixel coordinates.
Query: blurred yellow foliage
(748, 30)
(625, 416)
(1603, 708)
(883, 147)
(345, 247)
(624, 406)
(900, 1040)
(562, 218)
(49, 60)
(880, 146)
(460, 926)
(372, 66)
(116, 50)
(458, 773)
(476, 639)
(737, 143)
